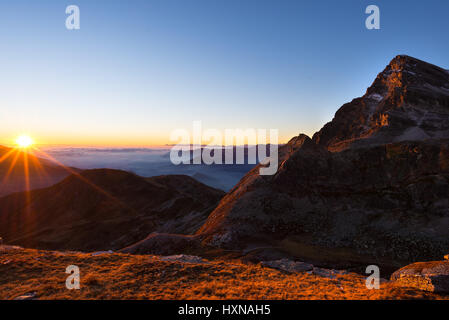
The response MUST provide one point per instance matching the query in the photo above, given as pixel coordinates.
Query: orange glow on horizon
(110, 141)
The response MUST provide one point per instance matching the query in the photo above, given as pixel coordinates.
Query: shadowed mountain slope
(14, 165)
(104, 209)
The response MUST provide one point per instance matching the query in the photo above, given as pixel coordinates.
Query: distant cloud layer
(148, 162)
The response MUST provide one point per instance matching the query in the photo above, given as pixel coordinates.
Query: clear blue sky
(138, 69)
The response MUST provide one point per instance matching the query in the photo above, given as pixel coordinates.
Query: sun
(24, 141)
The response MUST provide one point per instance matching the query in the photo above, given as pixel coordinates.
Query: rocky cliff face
(372, 185)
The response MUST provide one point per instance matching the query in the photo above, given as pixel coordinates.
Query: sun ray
(27, 184)
(38, 166)
(11, 167)
(83, 179)
(6, 155)
(26, 164)
(26, 171)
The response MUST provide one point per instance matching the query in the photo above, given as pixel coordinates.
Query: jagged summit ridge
(404, 74)
(408, 100)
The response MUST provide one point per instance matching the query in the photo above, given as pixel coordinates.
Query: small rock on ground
(328, 273)
(99, 253)
(288, 265)
(5, 248)
(183, 258)
(27, 296)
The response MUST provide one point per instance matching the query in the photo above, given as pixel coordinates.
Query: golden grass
(121, 276)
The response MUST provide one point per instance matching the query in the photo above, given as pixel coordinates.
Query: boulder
(427, 276)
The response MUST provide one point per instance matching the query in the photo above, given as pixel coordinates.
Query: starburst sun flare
(24, 141)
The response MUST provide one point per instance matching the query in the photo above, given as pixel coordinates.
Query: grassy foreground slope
(122, 276)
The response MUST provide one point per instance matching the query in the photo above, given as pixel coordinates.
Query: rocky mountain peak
(405, 78)
(408, 100)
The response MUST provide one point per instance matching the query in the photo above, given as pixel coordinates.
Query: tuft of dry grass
(123, 276)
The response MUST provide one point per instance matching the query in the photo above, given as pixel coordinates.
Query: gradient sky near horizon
(136, 70)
